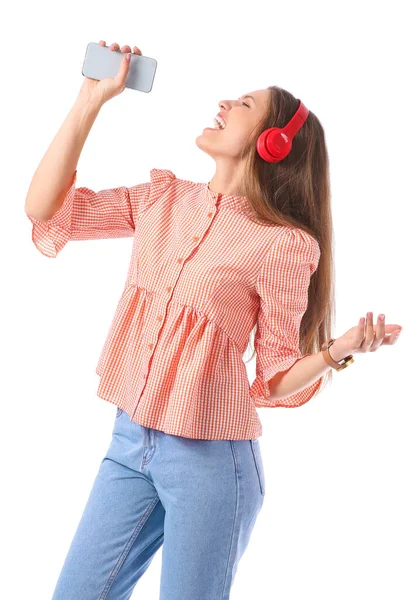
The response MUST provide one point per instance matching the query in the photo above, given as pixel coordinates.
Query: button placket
(169, 288)
(160, 318)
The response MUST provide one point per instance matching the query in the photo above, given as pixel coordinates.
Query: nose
(228, 104)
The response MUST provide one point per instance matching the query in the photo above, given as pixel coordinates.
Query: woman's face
(241, 117)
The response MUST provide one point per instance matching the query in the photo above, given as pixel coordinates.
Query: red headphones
(275, 143)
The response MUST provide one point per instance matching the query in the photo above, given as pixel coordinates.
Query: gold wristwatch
(342, 364)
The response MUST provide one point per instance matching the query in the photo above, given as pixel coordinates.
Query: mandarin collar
(239, 203)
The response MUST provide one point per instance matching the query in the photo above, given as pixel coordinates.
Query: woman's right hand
(101, 91)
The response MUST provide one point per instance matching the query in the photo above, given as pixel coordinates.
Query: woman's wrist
(87, 103)
(337, 350)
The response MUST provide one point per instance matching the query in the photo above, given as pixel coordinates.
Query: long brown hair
(296, 192)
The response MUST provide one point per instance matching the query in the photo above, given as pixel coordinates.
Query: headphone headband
(297, 121)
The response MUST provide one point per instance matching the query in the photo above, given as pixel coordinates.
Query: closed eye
(246, 104)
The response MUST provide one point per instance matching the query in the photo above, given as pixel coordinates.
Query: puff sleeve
(282, 285)
(87, 214)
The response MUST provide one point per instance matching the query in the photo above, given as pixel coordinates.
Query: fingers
(393, 338)
(394, 335)
(381, 333)
(125, 48)
(369, 330)
(380, 329)
(373, 338)
(384, 334)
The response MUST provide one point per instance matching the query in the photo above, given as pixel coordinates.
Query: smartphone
(100, 62)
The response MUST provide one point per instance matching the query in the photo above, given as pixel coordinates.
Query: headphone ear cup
(273, 145)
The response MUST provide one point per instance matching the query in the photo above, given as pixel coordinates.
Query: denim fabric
(198, 499)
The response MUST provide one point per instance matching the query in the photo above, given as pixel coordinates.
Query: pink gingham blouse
(201, 276)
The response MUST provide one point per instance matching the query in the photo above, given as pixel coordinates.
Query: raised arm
(58, 210)
(54, 175)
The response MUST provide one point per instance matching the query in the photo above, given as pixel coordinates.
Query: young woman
(210, 262)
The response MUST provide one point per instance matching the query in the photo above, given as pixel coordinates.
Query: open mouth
(219, 123)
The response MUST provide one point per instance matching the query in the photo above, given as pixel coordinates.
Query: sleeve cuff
(51, 236)
(260, 391)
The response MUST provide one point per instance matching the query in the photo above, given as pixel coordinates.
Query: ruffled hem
(189, 380)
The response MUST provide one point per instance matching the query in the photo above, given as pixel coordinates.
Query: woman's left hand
(367, 337)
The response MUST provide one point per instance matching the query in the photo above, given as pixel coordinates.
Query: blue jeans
(198, 498)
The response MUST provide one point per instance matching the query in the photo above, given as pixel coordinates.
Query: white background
(338, 519)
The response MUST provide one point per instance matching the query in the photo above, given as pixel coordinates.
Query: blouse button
(159, 318)
(169, 288)
(196, 238)
(210, 215)
(180, 260)
(151, 346)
